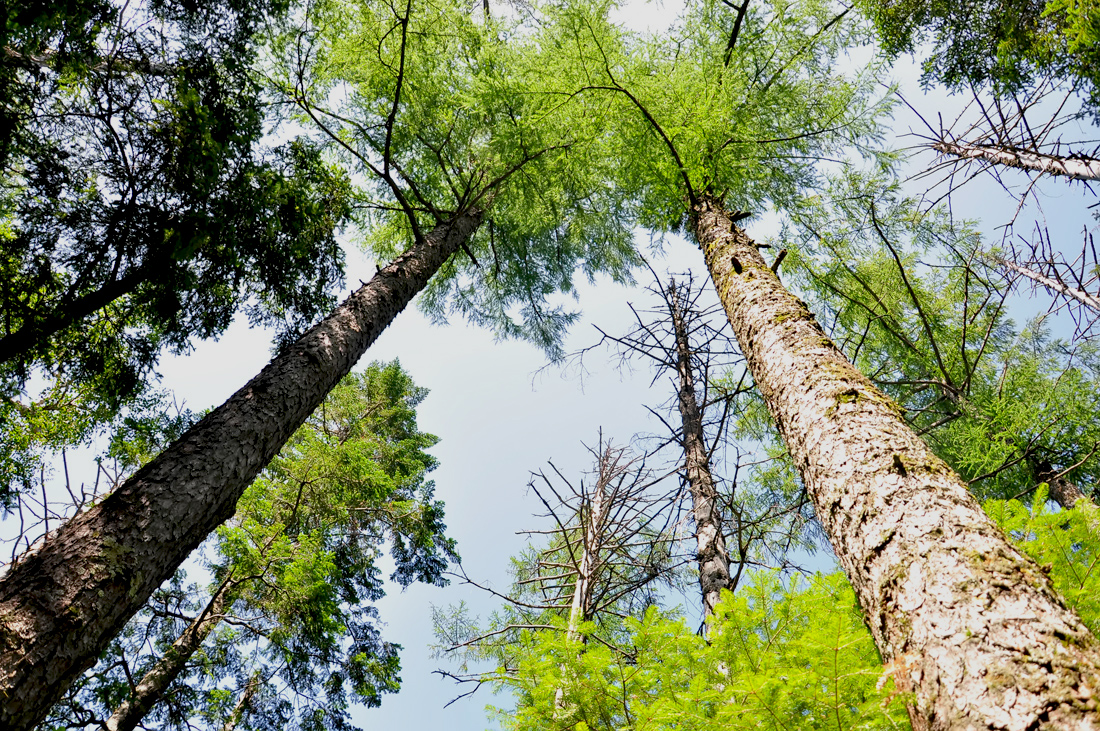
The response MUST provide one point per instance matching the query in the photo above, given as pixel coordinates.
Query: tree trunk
(1077, 167)
(714, 561)
(61, 606)
(1062, 491)
(242, 704)
(154, 683)
(1053, 284)
(963, 620)
(592, 536)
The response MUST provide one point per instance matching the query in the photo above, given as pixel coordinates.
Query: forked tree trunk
(714, 561)
(964, 621)
(1077, 167)
(153, 684)
(61, 606)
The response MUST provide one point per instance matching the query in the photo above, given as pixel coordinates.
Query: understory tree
(288, 620)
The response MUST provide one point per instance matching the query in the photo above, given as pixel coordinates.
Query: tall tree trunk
(962, 619)
(61, 606)
(154, 683)
(242, 704)
(1062, 491)
(714, 561)
(1076, 167)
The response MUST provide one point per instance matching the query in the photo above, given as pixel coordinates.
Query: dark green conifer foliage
(299, 563)
(138, 209)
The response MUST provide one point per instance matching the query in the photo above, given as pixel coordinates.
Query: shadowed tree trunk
(61, 606)
(963, 621)
(242, 704)
(714, 561)
(154, 683)
(1062, 491)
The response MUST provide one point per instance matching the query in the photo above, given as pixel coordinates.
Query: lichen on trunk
(711, 553)
(962, 619)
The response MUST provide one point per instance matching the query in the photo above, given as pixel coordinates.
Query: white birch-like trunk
(962, 619)
(1078, 168)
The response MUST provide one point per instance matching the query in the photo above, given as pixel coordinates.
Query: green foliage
(693, 115)
(915, 303)
(299, 564)
(780, 655)
(1006, 46)
(1065, 542)
(139, 209)
(441, 116)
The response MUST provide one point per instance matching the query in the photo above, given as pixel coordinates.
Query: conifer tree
(953, 607)
(290, 614)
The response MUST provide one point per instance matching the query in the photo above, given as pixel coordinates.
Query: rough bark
(963, 620)
(714, 562)
(60, 607)
(1078, 167)
(154, 683)
(1062, 491)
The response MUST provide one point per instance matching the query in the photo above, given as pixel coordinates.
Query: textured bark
(60, 607)
(714, 561)
(1078, 168)
(963, 620)
(154, 683)
(1062, 491)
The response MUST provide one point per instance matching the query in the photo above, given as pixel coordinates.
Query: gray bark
(962, 619)
(154, 683)
(242, 705)
(1088, 300)
(714, 562)
(1077, 168)
(61, 606)
(593, 523)
(1062, 491)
